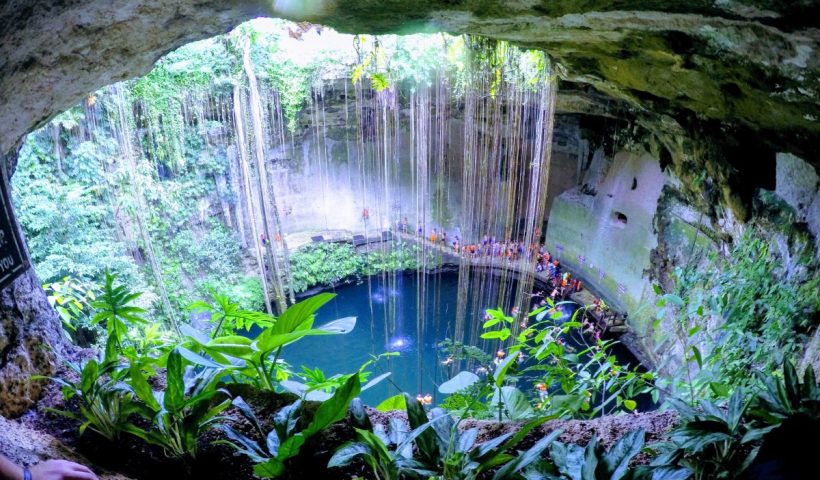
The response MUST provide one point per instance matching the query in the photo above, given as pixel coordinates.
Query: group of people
(561, 282)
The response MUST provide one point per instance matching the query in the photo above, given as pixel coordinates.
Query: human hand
(61, 470)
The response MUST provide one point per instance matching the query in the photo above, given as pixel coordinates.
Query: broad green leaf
(459, 382)
(616, 461)
(334, 409)
(347, 453)
(175, 390)
(300, 312)
(515, 403)
(198, 359)
(426, 439)
(396, 402)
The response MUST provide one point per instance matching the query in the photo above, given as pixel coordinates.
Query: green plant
(761, 297)
(104, 399)
(72, 300)
(318, 386)
(229, 316)
(594, 462)
(712, 442)
(183, 410)
(259, 359)
(441, 449)
(116, 310)
(283, 441)
(585, 381)
(787, 397)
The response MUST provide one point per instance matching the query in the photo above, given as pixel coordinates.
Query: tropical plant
(594, 462)
(116, 310)
(748, 310)
(787, 397)
(441, 449)
(318, 386)
(259, 360)
(72, 300)
(105, 400)
(584, 381)
(228, 316)
(180, 413)
(711, 442)
(283, 441)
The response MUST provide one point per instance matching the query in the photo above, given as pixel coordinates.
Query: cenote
(387, 309)
(502, 209)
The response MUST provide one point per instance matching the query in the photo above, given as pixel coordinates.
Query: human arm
(48, 470)
(8, 470)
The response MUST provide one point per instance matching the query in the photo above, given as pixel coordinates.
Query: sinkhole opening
(409, 176)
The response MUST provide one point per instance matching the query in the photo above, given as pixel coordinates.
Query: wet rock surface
(746, 62)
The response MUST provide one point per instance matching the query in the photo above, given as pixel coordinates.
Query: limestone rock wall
(603, 231)
(798, 184)
(31, 339)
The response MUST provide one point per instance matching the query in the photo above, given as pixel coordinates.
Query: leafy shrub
(323, 264)
(105, 399)
(764, 298)
(712, 442)
(183, 411)
(72, 300)
(594, 462)
(284, 442)
(259, 360)
(228, 316)
(584, 382)
(115, 309)
(441, 449)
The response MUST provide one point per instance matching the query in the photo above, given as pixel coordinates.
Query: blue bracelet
(26, 474)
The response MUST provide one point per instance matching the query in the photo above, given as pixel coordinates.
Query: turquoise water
(418, 368)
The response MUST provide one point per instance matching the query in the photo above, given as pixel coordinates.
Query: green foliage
(284, 442)
(455, 351)
(328, 263)
(182, 73)
(115, 308)
(441, 449)
(65, 221)
(104, 399)
(787, 397)
(712, 442)
(594, 462)
(259, 360)
(585, 382)
(323, 264)
(214, 250)
(229, 317)
(764, 296)
(316, 382)
(72, 300)
(183, 411)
